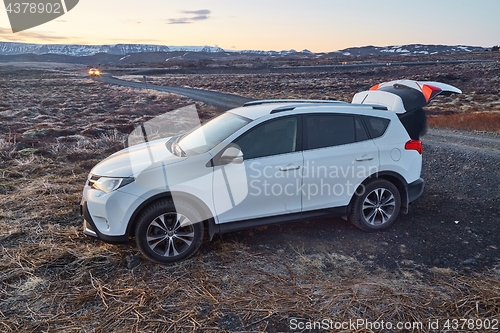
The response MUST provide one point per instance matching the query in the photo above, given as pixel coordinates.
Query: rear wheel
(377, 207)
(166, 233)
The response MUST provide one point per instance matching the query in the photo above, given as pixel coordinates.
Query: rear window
(376, 126)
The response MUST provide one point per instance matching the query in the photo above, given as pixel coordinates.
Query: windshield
(204, 138)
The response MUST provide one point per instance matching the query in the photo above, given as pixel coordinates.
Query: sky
(316, 25)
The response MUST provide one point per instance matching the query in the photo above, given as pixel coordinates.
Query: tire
(377, 207)
(166, 233)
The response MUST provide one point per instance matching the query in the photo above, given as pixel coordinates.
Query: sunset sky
(317, 25)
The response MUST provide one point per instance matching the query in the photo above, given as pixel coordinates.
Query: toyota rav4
(269, 161)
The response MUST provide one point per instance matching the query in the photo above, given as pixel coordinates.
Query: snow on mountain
(10, 48)
(410, 49)
(273, 53)
(16, 48)
(258, 52)
(7, 48)
(210, 49)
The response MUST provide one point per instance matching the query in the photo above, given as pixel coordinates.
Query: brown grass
(477, 121)
(55, 279)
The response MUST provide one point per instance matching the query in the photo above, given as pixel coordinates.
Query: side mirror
(232, 155)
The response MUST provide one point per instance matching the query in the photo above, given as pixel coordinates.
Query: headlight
(108, 184)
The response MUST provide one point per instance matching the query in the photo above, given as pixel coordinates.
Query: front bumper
(91, 230)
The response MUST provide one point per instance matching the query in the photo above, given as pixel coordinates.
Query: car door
(338, 156)
(266, 183)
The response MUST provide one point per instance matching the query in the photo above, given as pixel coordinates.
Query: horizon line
(232, 50)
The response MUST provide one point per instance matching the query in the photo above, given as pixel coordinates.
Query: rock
(470, 262)
(21, 145)
(35, 133)
(71, 138)
(28, 151)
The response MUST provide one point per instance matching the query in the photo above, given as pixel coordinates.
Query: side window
(330, 130)
(271, 138)
(376, 126)
(361, 134)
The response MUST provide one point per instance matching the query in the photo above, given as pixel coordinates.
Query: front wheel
(377, 207)
(168, 233)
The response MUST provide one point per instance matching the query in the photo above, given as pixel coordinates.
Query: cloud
(199, 15)
(197, 12)
(26, 36)
(178, 21)
(6, 35)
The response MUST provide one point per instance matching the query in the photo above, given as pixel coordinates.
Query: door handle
(365, 157)
(290, 168)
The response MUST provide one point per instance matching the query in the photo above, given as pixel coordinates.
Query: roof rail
(343, 104)
(268, 101)
(283, 108)
(373, 106)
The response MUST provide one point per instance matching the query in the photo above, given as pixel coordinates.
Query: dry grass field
(56, 124)
(478, 108)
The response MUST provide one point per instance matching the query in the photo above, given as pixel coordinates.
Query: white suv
(266, 162)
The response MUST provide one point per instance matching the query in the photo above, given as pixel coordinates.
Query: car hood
(133, 160)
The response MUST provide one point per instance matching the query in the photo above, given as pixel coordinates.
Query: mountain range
(12, 48)
(412, 49)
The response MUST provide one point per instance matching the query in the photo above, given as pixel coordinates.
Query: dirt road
(221, 100)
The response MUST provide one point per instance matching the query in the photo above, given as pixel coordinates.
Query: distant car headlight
(110, 184)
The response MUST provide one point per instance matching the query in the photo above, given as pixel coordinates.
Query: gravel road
(454, 225)
(221, 100)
